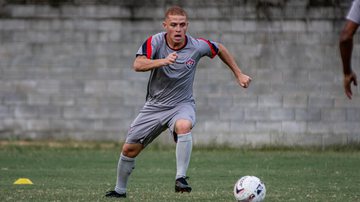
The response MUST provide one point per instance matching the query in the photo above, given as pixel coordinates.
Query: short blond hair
(175, 10)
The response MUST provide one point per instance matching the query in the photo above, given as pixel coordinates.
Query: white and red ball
(249, 189)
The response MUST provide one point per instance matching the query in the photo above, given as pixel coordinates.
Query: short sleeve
(208, 48)
(354, 13)
(147, 49)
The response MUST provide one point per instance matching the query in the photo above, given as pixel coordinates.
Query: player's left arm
(346, 47)
(242, 79)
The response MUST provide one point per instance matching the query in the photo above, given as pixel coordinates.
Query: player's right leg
(144, 129)
(125, 166)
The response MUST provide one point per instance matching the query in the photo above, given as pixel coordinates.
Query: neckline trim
(177, 49)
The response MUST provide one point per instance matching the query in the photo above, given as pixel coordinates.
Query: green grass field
(85, 173)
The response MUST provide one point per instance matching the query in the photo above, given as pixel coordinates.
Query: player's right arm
(143, 64)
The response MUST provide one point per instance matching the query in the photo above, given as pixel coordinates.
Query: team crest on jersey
(190, 63)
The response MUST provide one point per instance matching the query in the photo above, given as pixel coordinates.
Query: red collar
(186, 40)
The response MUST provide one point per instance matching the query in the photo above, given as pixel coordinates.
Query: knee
(183, 126)
(131, 150)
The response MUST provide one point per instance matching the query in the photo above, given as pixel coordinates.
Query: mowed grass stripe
(85, 174)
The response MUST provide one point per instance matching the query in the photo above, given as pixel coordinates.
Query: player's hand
(171, 58)
(244, 80)
(348, 79)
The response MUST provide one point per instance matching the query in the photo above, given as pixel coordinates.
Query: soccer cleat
(182, 186)
(114, 194)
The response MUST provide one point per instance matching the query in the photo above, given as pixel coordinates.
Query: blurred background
(66, 70)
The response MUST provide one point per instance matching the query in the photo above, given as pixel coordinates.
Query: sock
(125, 167)
(183, 153)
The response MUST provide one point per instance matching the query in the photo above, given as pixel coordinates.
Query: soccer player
(171, 57)
(346, 46)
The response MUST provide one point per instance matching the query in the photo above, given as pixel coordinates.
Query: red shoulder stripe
(148, 48)
(213, 52)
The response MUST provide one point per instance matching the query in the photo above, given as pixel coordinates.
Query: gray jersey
(173, 84)
(354, 13)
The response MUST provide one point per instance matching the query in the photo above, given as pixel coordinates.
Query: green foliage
(85, 173)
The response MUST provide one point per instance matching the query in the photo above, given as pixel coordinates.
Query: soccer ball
(249, 189)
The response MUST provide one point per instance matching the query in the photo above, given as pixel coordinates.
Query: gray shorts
(153, 120)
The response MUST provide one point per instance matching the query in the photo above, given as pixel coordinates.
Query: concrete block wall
(65, 70)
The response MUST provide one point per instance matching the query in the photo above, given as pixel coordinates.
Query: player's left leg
(183, 153)
(183, 146)
(180, 126)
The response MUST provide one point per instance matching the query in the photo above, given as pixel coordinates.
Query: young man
(171, 57)
(346, 46)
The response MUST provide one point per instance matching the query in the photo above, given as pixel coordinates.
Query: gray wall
(65, 70)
